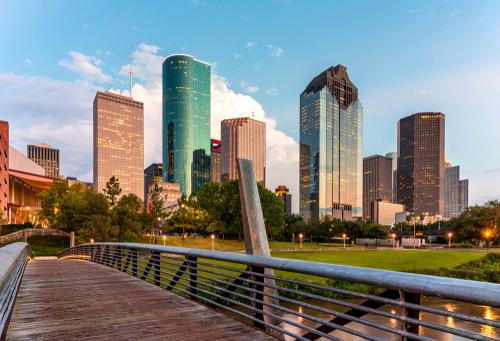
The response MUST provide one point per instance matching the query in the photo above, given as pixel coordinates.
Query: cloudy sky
(404, 56)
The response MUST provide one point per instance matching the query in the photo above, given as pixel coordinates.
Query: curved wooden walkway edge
(78, 300)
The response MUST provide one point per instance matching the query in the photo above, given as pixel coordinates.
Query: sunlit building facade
(186, 122)
(421, 163)
(4, 169)
(119, 142)
(47, 157)
(243, 138)
(284, 193)
(331, 120)
(152, 173)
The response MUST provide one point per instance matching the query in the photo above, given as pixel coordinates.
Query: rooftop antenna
(130, 72)
(253, 115)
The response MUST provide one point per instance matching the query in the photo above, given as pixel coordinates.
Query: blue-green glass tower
(331, 121)
(186, 122)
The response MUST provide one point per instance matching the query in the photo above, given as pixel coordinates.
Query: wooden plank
(79, 300)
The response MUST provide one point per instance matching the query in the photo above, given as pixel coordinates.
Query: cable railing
(13, 259)
(302, 300)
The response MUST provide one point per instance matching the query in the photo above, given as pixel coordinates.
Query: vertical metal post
(134, 262)
(72, 239)
(259, 314)
(157, 279)
(193, 274)
(413, 313)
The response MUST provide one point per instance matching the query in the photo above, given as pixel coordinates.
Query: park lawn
(397, 260)
(228, 244)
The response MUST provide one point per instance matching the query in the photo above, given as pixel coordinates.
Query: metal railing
(343, 302)
(13, 259)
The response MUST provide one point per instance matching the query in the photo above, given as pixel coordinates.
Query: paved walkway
(78, 300)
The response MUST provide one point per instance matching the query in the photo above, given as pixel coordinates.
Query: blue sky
(404, 56)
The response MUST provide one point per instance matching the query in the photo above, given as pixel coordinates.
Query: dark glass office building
(377, 182)
(186, 122)
(331, 119)
(421, 163)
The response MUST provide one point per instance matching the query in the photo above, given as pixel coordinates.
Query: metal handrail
(242, 286)
(13, 259)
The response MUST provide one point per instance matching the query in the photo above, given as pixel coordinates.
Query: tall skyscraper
(463, 192)
(452, 191)
(243, 138)
(4, 168)
(215, 161)
(394, 157)
(284, 193)
(46, 157)
(421, 163)
(331, 119)
(186, 122)
(377, 182)
(119, 142)
(153, 173)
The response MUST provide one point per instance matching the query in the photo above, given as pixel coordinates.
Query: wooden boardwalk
(78, 300)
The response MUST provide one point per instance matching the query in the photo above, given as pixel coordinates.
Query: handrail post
(193, 275)
(411, 313)
(134, 262)
(157, 278)
(259, 296)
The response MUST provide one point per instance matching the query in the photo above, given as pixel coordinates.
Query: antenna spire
(130, 72)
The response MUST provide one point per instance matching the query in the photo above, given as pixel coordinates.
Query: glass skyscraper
(331, 165)
(186, 122)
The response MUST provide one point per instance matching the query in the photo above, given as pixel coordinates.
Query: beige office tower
(119, 142)
(243, 138)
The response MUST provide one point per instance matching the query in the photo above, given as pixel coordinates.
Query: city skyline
(78, 69)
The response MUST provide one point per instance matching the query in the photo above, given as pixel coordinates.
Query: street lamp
(393, 240)
(213, 241)
(183, 222)
(449, 239)
(300, 238)
(164, 240)
(92, 240)
(487, 235)
(343, 239)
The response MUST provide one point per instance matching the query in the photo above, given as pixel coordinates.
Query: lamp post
(213, 241)
(343, 239)
(92, 240)
(393, 240)
(300, 238)
(164, 240)
(183, 221)
(487, 235)
(449, 239)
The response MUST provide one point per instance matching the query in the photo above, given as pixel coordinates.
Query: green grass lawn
(397, 260)
(229, 245)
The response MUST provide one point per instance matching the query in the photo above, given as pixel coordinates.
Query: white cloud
(272, 91)
(87, 66)
(251, 89)
(40, 109)
(275, 51)
(28, 61)
(59, 113)
(282, 150)
(250, 44)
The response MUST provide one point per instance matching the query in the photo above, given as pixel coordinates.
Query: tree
(127, 217)
(112, 190)
(273, 210)
(156, 205)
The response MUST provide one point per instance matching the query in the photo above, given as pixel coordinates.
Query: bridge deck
(70, 300)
